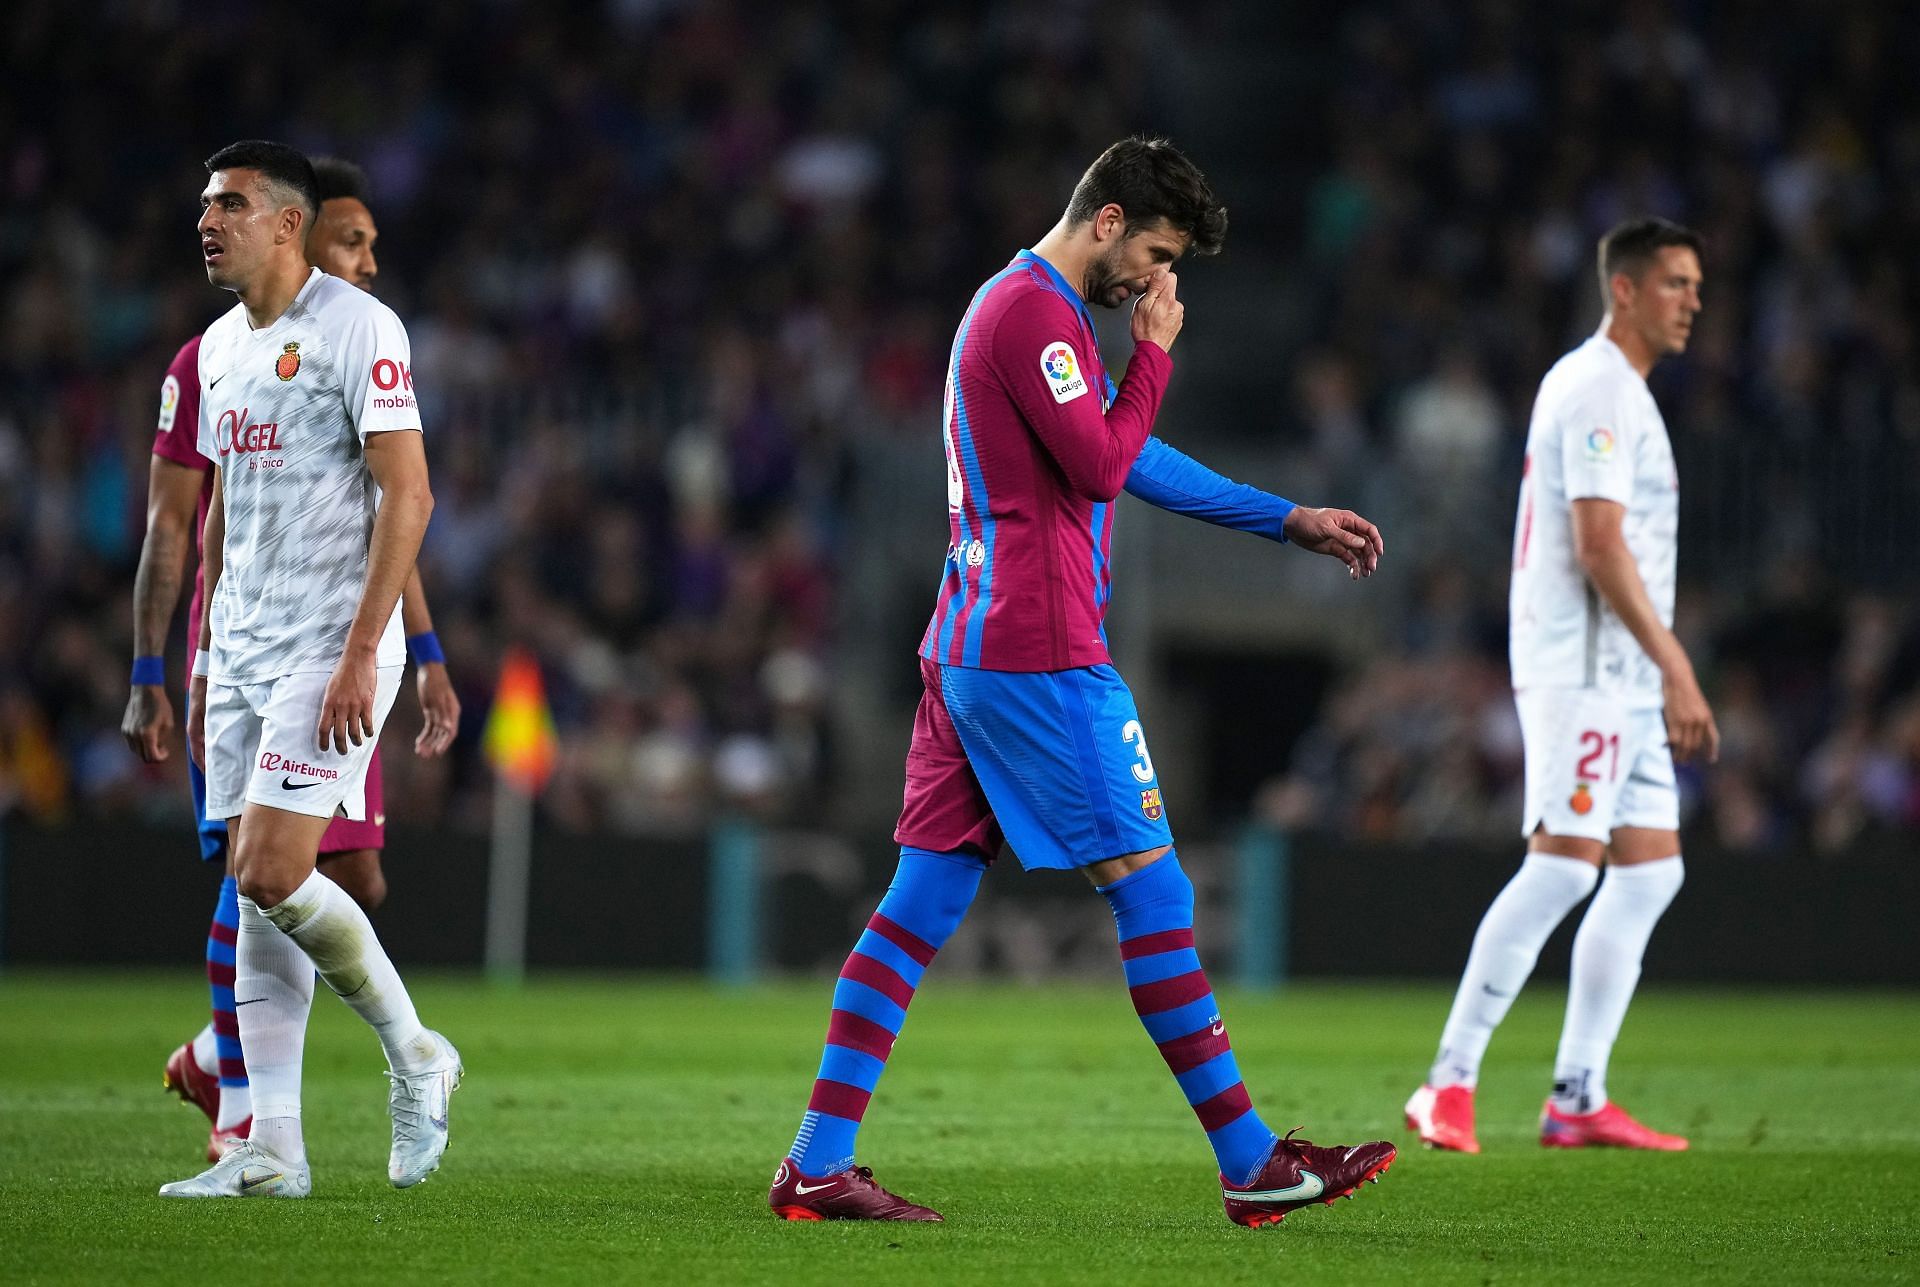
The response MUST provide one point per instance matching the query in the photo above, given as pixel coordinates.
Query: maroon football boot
(1300, 1174)
(184, 1078)
(849, 1195)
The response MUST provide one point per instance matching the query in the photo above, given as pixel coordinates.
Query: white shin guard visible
(272, 993)
(1511, 934)
(1606, 966)
(339, 939)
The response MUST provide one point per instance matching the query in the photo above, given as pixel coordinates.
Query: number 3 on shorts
(1131, 734)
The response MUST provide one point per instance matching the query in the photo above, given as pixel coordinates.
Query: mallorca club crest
(1150, 804)
(287, 365)
(1582, 802)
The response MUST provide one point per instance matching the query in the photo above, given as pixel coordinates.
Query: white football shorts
(1595, 763)
(263, 746)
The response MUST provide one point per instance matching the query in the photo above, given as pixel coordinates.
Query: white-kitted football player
(1607, 699)
(320, 500)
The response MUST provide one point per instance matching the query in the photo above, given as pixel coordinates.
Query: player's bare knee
(1109, 870)
(260, 882)
(1584, 848)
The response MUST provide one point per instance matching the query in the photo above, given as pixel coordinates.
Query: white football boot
(246, 1171)
(418, 1105)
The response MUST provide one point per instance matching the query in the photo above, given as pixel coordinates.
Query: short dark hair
(279, 164)
(1629, 247)
(1151, 180)
(335, 178)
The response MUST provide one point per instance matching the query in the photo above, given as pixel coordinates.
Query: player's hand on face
(440, 709)
(197, 721)
(1159, 314)
(148, 722)
(346, 710)
(1691, 730)
(1338, 532)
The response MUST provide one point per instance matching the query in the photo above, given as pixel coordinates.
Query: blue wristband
(150, 670)
(425, 647)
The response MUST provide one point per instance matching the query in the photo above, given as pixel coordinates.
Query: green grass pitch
(624, 1131)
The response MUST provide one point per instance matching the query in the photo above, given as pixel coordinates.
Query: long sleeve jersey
(1039, 444)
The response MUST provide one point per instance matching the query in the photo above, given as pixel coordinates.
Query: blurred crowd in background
(1451, 240)
(663, 265)
(670, 267)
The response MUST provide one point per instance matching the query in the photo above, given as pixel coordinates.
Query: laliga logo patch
(976, 554)
(1582, 802)
(1150, 804)
(1062, 370)
(287, 365)
(169, 402)
(1600, 445)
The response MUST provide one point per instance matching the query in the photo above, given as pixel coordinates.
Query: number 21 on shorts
(1596, 745)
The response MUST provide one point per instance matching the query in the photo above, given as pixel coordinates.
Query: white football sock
(236, 1106)
(1507, 944)
(206, 1051)
(1606, 964)
(272, 994)
(339, 939)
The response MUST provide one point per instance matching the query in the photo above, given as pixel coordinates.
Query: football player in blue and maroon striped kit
(1025, 732)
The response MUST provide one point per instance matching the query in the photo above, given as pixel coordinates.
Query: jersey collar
(1060, 286)
(313, 279)
(1616, 353)
(1072, 296)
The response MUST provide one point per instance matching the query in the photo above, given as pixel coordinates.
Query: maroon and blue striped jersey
(1039, 443)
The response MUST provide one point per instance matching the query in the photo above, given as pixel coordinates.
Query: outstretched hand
(1339, 532)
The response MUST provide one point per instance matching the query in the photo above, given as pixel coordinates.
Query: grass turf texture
(626, 1130)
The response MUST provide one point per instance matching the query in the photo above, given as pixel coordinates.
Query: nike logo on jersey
(288, 784)
(812, 1188)
(216, 380)
(1489, 989)
(1311, 1186)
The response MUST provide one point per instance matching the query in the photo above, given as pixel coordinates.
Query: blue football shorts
(1053, 762)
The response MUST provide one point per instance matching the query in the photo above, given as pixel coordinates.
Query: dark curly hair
(1151, 180)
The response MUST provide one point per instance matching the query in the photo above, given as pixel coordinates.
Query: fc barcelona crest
(1150, 804)
(287, 365)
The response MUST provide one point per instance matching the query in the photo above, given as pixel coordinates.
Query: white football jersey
(1596, 433)
(284, 413)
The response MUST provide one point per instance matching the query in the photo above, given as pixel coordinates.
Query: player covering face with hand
(1025, 731)
(320, 500)
(1607, 699)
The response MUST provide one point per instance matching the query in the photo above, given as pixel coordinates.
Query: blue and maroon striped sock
(1153, 910)
(234, 1096)
(929, 895)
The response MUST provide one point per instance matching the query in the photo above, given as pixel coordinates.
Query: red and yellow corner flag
(519, 739)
